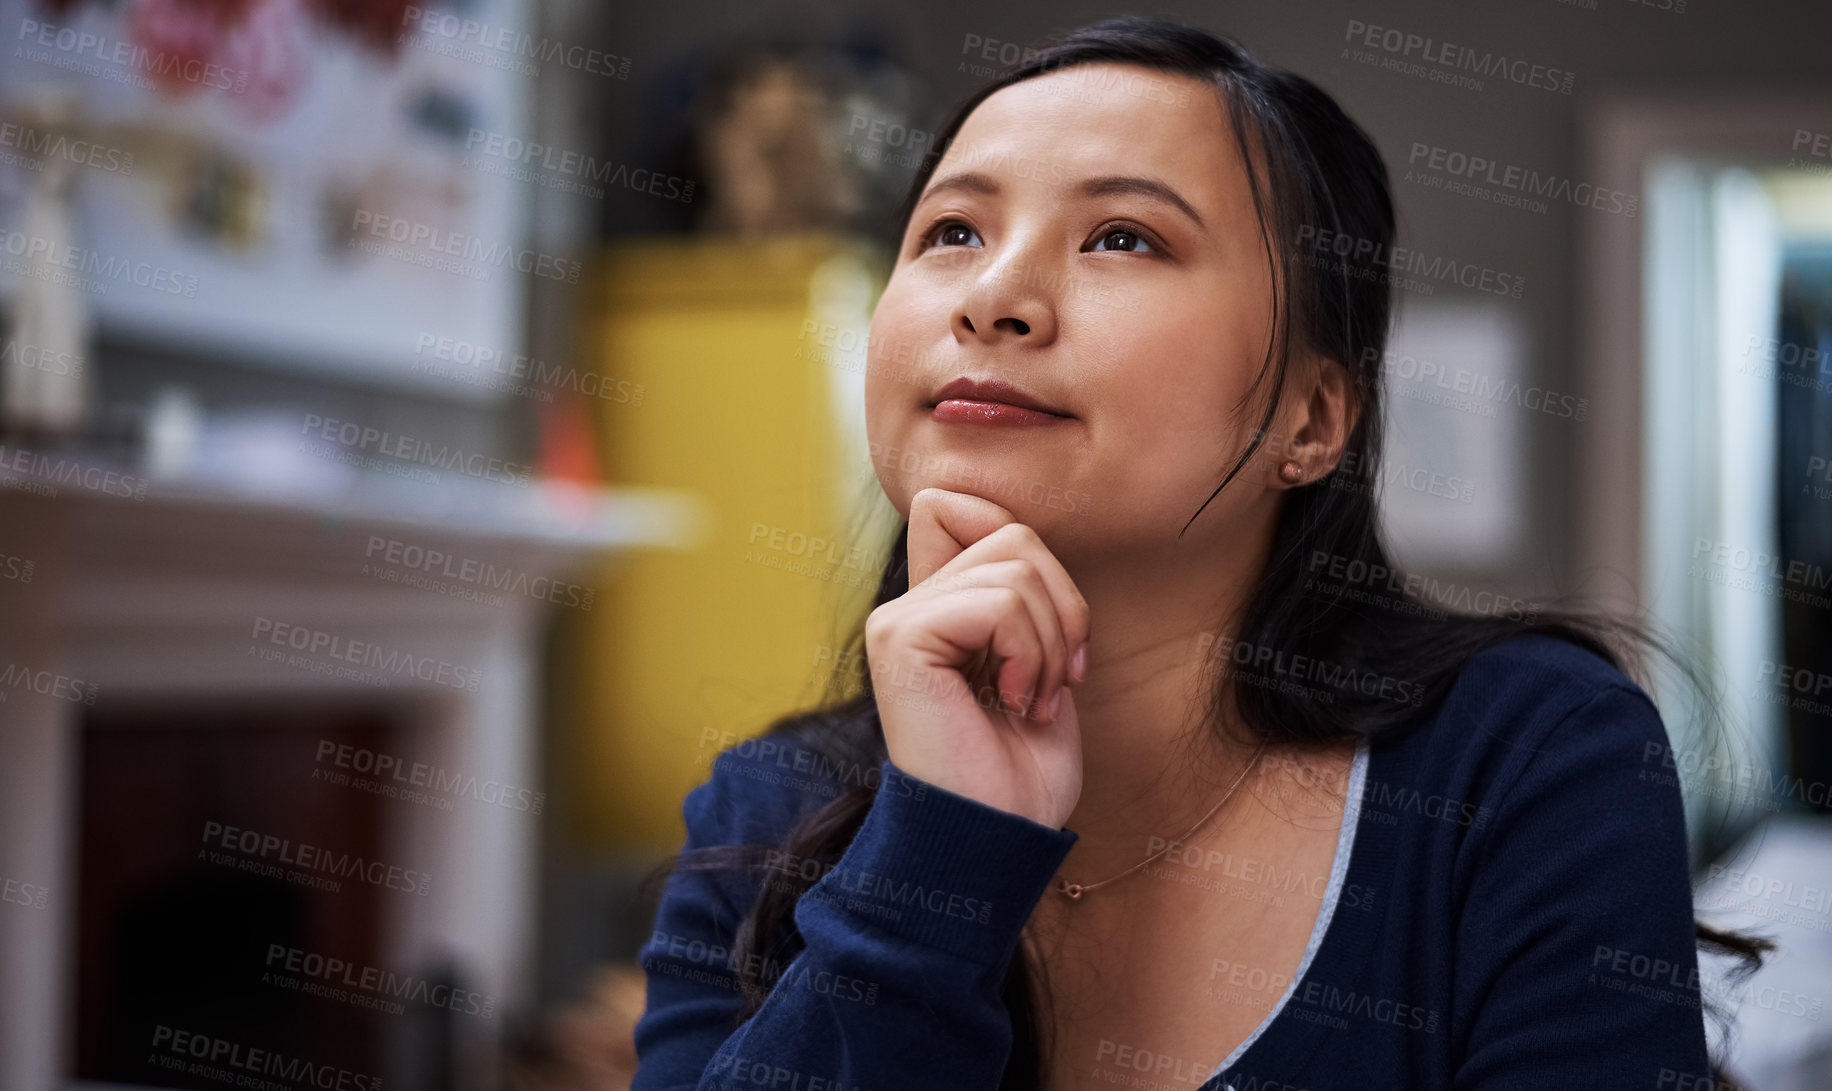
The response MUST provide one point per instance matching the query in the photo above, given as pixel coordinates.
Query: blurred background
(430, 433)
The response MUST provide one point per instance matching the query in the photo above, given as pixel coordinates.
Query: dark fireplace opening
(217, 946)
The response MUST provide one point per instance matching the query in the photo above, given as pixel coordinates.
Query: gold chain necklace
(1074, 891)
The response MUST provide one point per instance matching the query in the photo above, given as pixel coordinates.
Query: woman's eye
(953, 233)
(1121, 239)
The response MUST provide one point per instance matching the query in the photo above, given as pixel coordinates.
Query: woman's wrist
(941, 869)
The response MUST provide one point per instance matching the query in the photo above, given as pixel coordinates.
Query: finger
(1015, 541)
(1022, 654)
(943, 524)
(993, 629)
(1021, 574)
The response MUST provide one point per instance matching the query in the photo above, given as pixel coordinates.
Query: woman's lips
(969, 411)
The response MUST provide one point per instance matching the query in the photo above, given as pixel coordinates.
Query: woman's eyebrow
(1148, 188)
(971, 181)
(1106, 185)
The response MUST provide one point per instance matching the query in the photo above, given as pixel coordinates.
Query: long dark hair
(1329, 591)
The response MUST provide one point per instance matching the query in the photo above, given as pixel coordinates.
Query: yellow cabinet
(742, 370)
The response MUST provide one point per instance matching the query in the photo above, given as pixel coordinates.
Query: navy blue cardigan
(1518, 915)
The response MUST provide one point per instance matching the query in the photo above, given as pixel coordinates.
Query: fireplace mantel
(173, 594)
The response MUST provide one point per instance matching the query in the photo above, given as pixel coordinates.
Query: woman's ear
(1323, 402)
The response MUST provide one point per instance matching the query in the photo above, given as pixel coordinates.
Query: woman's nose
(1003, 304)
(1016, 325)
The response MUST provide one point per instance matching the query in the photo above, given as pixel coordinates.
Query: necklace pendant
(1073, 890)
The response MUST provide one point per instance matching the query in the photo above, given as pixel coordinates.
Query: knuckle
(992, 569)
(880, 624)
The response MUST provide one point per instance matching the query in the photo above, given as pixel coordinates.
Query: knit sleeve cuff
(940, 869)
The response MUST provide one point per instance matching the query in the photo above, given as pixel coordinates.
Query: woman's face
(1090, 239)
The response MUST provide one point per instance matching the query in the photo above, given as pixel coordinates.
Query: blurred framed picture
(1460, 404)
(338, 187)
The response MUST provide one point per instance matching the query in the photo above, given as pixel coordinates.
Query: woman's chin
(1035, 506)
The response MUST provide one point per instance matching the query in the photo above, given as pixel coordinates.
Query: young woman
(1161, 776)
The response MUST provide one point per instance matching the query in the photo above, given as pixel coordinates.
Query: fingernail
(1079, 665)
(1055, 702)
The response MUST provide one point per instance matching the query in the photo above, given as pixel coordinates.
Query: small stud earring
(1291, 473)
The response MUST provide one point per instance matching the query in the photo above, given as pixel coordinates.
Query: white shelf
(547, 515)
